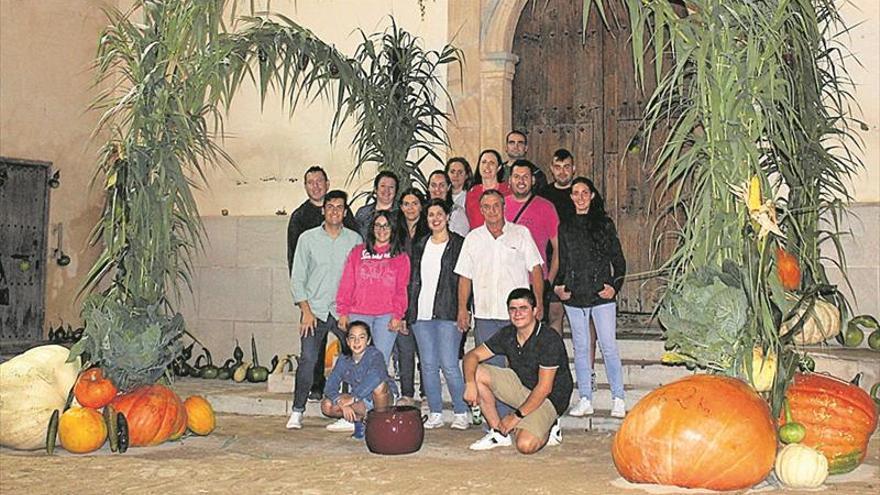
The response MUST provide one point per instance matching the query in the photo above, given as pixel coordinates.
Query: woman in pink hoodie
(374, 283)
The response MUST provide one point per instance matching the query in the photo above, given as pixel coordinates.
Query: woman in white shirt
(433, 313)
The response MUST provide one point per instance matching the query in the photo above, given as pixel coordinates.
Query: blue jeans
(383, 338)
(309, 351)
(484, 329)
(605, 318)
(438, 349)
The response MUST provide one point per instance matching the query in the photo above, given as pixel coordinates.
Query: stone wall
(241, 287)
(862, 251)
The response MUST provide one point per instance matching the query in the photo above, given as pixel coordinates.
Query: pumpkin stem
(856, 379)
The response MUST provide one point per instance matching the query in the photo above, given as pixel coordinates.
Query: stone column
(496, 98)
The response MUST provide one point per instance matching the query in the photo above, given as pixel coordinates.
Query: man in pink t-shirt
(524, 207)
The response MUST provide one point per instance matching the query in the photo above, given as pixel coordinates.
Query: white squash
(32, 385)
(799, 466)
(822, 323)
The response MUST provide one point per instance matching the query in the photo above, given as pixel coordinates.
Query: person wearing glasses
(316, 270)
(374, 282)
(537, 384)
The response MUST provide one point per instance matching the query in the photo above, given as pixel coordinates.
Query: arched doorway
(580, 92)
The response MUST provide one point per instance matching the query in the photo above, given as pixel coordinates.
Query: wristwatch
(518, 413)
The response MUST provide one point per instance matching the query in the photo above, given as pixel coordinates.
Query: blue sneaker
(360, 430)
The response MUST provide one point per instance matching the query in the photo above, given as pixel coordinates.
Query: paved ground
(257, 455)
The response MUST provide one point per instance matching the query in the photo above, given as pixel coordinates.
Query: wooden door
(580, 93)
(23, 229)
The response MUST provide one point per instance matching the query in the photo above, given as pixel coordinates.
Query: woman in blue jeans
(433, 313)
(591, 271)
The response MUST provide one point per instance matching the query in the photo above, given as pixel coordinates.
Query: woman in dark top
(413, 227)
(433, 313)
(591, 271)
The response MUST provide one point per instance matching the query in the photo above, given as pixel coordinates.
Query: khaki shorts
(509, 390)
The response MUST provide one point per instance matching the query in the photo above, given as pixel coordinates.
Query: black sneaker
(315, 396)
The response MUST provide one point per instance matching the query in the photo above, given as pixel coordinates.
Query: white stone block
(235, 294)
(221, 242)
(262, 241)
(283, 308)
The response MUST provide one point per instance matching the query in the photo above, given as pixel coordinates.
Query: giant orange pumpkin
(702, 431)
(92, 389)
(839, 418)
(154, 414)
(81, 430)
(199, 415)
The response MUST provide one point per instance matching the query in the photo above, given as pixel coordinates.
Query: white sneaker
(555, 437)
(435, 420)
(425, 409)
(341, 425)
(461, 422)
(583, 408)
(296, 420)
(618, 408)
(491, 440)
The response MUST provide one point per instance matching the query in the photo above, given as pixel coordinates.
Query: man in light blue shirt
(314, 278)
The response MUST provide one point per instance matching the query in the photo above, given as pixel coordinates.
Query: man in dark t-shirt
(308, 215)
(537, 382)
(559, 193)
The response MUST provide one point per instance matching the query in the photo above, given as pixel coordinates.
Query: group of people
(409, 274)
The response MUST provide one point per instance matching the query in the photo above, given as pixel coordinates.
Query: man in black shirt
(307, 216)
(558, 193)
(537, 384)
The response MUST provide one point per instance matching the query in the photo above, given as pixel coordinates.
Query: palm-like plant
(399, 120)
(169, 77)
(758, 89)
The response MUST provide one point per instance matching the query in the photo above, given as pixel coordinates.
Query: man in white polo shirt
(496, 258)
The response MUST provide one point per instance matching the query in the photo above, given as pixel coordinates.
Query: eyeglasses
(382, 226)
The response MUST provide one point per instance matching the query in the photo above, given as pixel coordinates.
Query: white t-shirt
(430, 272)
(458, 221)
(497, 266)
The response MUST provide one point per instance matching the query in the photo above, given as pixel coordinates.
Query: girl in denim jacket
(367, 377)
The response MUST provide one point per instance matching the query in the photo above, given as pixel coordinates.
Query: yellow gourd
(32, 386)
(822, 323)
(763, 370)
(799, 466)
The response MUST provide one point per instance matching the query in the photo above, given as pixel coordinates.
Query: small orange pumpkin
(199, 415)
(788, 269)
(93, 389)
(81, 430)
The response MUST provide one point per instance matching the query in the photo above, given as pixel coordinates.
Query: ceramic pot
(395, 430)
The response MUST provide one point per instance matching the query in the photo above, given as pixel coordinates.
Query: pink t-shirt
(540, 218)
(373, 284)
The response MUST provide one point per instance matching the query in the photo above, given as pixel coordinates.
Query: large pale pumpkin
(154, 413)
(822, 323)
(839, 418)
(702, 431)
(32, 386)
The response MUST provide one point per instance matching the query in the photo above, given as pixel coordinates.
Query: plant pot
(395, 430)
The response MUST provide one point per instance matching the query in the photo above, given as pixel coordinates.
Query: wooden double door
(580, 92)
